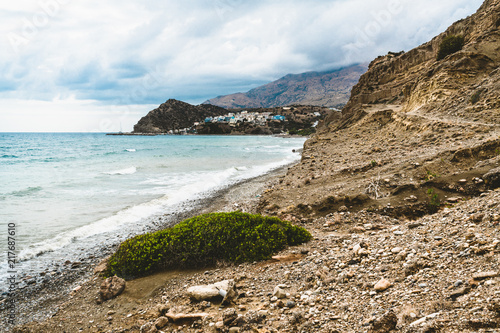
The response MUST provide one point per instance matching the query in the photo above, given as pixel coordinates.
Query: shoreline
(40, 296)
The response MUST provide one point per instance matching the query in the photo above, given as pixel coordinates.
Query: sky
(99, 66)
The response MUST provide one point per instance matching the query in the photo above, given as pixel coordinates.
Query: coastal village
(276, 120)
(208, 119)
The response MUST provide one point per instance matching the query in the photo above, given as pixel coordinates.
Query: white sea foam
(131, 150)
(196, 186)
(127, 171)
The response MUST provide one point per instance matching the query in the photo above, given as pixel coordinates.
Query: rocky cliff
(425, 86)
(173, 115)
(416, 132)
(330, 89)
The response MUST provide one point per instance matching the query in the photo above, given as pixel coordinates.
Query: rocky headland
(175, 115)
(401, 193)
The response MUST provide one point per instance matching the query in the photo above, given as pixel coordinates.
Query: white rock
(279, 293)
(206, 292)
(396, 250)
(382, 285)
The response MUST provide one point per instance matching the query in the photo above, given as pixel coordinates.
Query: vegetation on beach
(203, 241)
(434, 202)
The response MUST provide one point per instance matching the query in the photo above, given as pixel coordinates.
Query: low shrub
(475, 97)
(449, 45)
(434, 202)
(203, 241)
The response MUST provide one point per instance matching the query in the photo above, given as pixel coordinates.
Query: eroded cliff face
(425, 86)
(414, 125)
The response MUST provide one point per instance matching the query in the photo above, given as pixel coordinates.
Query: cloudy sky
(75, 65)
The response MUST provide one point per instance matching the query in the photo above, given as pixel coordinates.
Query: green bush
(450, 45)
(475, 97)
(203, 241)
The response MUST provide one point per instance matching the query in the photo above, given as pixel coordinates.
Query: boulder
(110, 288)
(492, 178)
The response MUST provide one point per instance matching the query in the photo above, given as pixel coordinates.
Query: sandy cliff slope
(413, 124)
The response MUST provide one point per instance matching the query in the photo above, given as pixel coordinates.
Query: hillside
(329, 89)
(174, 115)
(413, 124)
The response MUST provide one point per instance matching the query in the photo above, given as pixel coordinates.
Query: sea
(66, 195)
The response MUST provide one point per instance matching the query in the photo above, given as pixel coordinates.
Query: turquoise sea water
(67, 193)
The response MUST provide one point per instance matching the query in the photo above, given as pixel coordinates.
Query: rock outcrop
(463, 85)
(329, 89)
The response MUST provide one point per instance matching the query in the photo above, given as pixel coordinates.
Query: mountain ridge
(327, 88)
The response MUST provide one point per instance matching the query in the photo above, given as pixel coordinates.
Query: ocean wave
(190, 187)
(127, 216)
(127, 171)
(131, 150)
(26, 192)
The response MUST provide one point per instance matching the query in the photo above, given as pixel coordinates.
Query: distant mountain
(174, 115)
(330, 89)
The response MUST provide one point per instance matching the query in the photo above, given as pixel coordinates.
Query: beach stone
(111, 287)
(411, 198)
(477, 217)
(279, 293)
(459, 292)
(146, 327)
(161, 322)
(102, 266)
(386, 323)
(484, 275)
(207, 292)
(396, 250)
(234, 330)
(229, 316)
(382, 285)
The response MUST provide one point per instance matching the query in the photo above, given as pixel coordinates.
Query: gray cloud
(118, 52)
